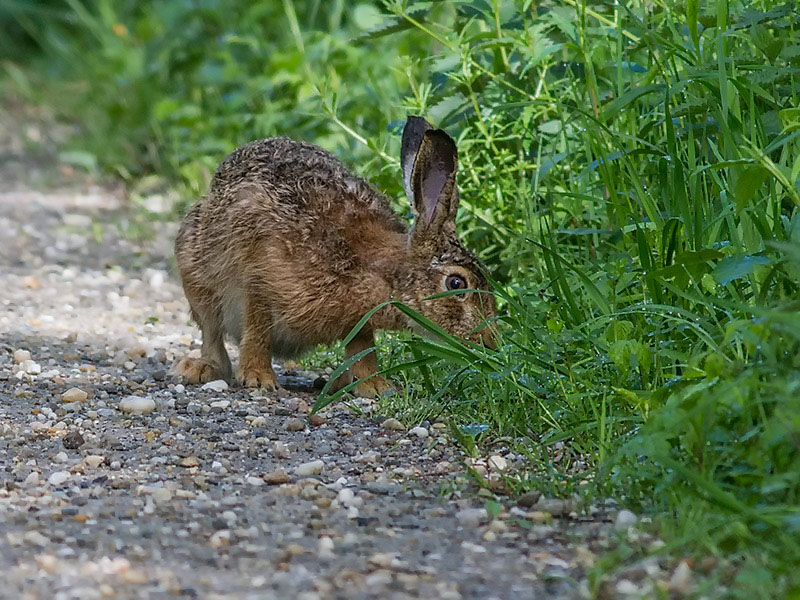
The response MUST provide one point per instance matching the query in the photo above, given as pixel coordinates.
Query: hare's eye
(455, 282)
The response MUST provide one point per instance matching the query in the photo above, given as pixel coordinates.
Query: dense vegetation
(629, 172)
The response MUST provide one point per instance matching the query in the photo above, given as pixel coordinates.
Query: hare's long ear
(433, 183)
(413, 132)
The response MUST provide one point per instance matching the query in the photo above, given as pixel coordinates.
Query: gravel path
(118, 482)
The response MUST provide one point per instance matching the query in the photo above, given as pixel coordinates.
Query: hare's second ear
(433, 182)
(413, 133)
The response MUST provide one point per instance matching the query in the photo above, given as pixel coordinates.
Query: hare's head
(438, 262)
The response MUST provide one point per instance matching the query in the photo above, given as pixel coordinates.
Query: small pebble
(625, 519)
(325, 547)
(58, 478)
(137, 405)
(294, 425)
(30, 367)
(472, 517)
(218, 385)
(315, 421)
(36, 539)
(393, 424)
(554, 506)
(420, 432)
(73, 440)
(626, 587)
(680, 583)
(74, 395)
(20, 356)
(276, 477)
(280, 450)
(94, 460)
(32, 479)
(528, 499)
(497, 463)
(310, 468)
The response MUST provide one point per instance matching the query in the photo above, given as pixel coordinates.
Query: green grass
(629, 172)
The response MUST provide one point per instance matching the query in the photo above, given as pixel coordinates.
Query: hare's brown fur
(290, 250)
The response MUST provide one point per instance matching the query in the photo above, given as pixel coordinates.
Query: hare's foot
(364, 367)
(374, 387)
(257, 374)
(370, 388)
(198, 370)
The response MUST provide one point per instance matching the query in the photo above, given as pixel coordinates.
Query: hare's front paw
(255, 376)
(197, 370)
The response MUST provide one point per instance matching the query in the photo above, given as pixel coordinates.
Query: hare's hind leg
(213, 362)
(364, 367)
(255, 350)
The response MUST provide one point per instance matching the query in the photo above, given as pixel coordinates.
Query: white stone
(20, 356)
(30, 367)
(220, 538)
(625, 519)
(325, 547)
(74, 395)
(58, 478)
(218, 385)
(392, 424)
(681, 581)
(280, 450)
(420, 432)
(626, 587)
(129, 365)
(35, 538)
(497, 462)
(136, 405)
(258, 422)
(162, 495)
(310, 468)
(62, 457)
(223, 404)
(472, 517)
(348, 498)
(32, 479)
(94, 460)
(255, 480)
(229, 516)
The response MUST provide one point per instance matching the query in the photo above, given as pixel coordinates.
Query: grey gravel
(149, 488)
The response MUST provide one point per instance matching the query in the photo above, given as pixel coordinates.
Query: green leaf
(79, 158)
(736, 267)
(691, 20)
(611, 109)
(748, 183)
(367, 16)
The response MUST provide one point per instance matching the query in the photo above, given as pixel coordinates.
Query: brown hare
(290, 250)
